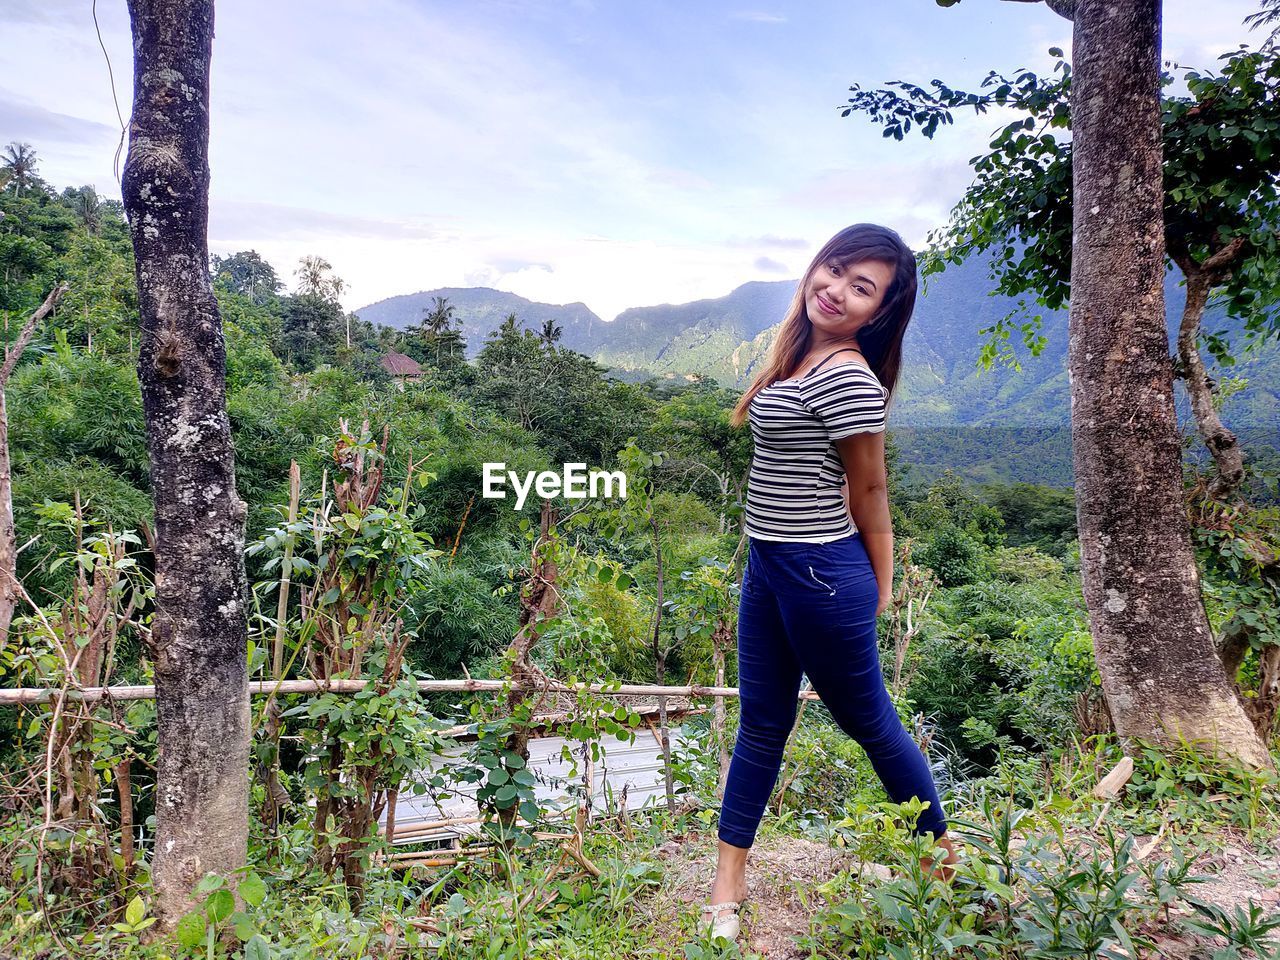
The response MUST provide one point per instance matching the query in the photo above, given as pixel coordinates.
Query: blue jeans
(811, 608)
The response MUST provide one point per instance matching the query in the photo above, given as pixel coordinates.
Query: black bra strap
(829, 356)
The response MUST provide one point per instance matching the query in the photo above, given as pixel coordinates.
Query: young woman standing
(814, 582)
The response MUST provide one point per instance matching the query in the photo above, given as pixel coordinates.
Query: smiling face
(841, 299)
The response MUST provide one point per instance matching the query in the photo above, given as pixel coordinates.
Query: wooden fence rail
(20, 695)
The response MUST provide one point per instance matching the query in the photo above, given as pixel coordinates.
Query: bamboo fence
(23, 695)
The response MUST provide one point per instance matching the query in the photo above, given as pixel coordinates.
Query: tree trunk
(1262, 708)
(124, 790)
(8, 539)
(660, 665)
(9, 592)
(539, 603)
(202, 701)
(721, 640)
(1221, 443)
(1155, 653)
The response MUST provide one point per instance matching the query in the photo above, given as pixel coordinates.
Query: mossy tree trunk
(198, 632)
(1155, 651)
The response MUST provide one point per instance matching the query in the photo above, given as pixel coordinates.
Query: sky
(616, 153)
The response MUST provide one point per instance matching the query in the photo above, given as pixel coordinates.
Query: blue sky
(617, 153)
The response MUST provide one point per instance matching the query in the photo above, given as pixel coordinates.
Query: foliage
(1006, 669)
(1220, 151)
(556, 392)
(414, 574)
(954, 556)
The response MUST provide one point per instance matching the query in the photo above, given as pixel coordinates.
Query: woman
(814, 585)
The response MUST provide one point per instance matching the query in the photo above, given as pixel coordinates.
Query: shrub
(954, 556)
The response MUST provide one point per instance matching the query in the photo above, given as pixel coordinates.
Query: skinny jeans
(811, 608)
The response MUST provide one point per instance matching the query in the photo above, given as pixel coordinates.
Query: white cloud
(421, 143)
(770, 265)
(755, 16)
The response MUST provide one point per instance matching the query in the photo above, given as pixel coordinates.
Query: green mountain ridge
(726, 338)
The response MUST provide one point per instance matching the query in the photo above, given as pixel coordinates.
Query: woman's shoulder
(846, 369)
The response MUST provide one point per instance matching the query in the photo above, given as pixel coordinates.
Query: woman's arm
(867, 492)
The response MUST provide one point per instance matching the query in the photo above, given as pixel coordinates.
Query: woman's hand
(886, 597)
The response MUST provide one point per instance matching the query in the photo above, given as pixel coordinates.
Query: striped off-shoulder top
(794, 488)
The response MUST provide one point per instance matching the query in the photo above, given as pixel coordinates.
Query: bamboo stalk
(420, 854)
(410, 864)
(16, 695)
(581, 857)
(413, 829)
(124, 789)
(286, 573)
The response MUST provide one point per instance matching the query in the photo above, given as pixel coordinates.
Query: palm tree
(439, 316)
(314, 281)
(437, 320)
(1267, 16)
(550, 331)
(20, 163)
(89, 209)
(509, 325)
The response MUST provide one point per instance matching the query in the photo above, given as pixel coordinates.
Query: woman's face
(840, 299)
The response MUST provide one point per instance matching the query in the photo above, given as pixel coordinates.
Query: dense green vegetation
(944, 388)
(987, 651)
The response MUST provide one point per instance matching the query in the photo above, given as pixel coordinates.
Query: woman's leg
(828, 603)
(768, 683)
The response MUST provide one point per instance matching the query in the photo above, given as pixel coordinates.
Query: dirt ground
(783, 874)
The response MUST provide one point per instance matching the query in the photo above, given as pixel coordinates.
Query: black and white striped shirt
(794, 488)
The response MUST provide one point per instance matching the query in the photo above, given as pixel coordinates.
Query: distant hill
(480, 310)
(727, 337)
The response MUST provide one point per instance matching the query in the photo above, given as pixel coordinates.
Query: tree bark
(539, 603)
(721, 642)
(202, 790)
(8, 539)
(1155, 652)
(660, 666)
(1221, 442)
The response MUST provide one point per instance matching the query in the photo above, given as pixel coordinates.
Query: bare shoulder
(851, 360)
(854, 360)
(832, 361)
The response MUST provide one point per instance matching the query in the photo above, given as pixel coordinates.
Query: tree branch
(1222, 259)
(28, 330)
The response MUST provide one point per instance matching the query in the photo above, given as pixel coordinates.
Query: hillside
(480, 310)
(726, 337)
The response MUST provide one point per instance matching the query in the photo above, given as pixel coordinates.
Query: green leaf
(506, 794)
(190, 930)
(220, 905)
(210, 883)
(243, 925)
(252, 890)
(257, 949)
(135, 911)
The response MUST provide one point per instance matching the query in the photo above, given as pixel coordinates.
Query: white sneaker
(716, 924)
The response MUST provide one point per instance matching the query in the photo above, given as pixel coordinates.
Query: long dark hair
(880, 340)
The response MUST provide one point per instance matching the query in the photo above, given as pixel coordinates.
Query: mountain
(727, 337)
(705, 336)
(480, 310)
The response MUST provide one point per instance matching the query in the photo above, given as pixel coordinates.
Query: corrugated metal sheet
(637, 766)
